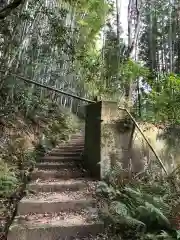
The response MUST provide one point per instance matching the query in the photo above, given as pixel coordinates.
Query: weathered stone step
(61, 185)
(55, 202)
(79, 142)
(70, 146)
(77, 139)
(50, 158)
(55, 165)
(73, 147)
(53, 174)
(97, 237)
(75, 142)
(77, 136)
(65, 153)
(61, 226)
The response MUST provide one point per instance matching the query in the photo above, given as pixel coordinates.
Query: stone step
(55, 165)
(53, 174)
(54, 202)
(77, 145)
(65, 153)
(61, 226)
(73, 147)
(77, 139)
(75, 142)
(78, 142)
(102, 236)
(50, 158)
(77, 136)
(61, 185)
(66, 150)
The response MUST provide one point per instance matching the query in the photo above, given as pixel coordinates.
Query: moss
(107, 135)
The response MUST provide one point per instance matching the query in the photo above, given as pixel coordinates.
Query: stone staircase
(63, 204)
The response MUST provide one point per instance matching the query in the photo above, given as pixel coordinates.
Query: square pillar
(100, 142)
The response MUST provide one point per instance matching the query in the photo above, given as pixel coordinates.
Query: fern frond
(153, 215)
(157, 202)
(135, 195)
(105, 190)
(119, 208)
(132, 222)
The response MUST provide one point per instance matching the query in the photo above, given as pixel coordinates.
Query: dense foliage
(139, 208)
(79, 47)
(59, 43)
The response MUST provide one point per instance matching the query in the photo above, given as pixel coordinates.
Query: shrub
(138, 209)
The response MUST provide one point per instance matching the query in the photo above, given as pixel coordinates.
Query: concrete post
(99, 136)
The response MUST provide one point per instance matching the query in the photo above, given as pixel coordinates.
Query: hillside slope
(23, 137)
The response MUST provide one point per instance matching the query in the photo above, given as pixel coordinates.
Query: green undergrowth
(24, 137)
(145, 208)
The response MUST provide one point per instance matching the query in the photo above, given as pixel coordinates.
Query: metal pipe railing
(47, 87)
(145, 138)
(88, 101)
